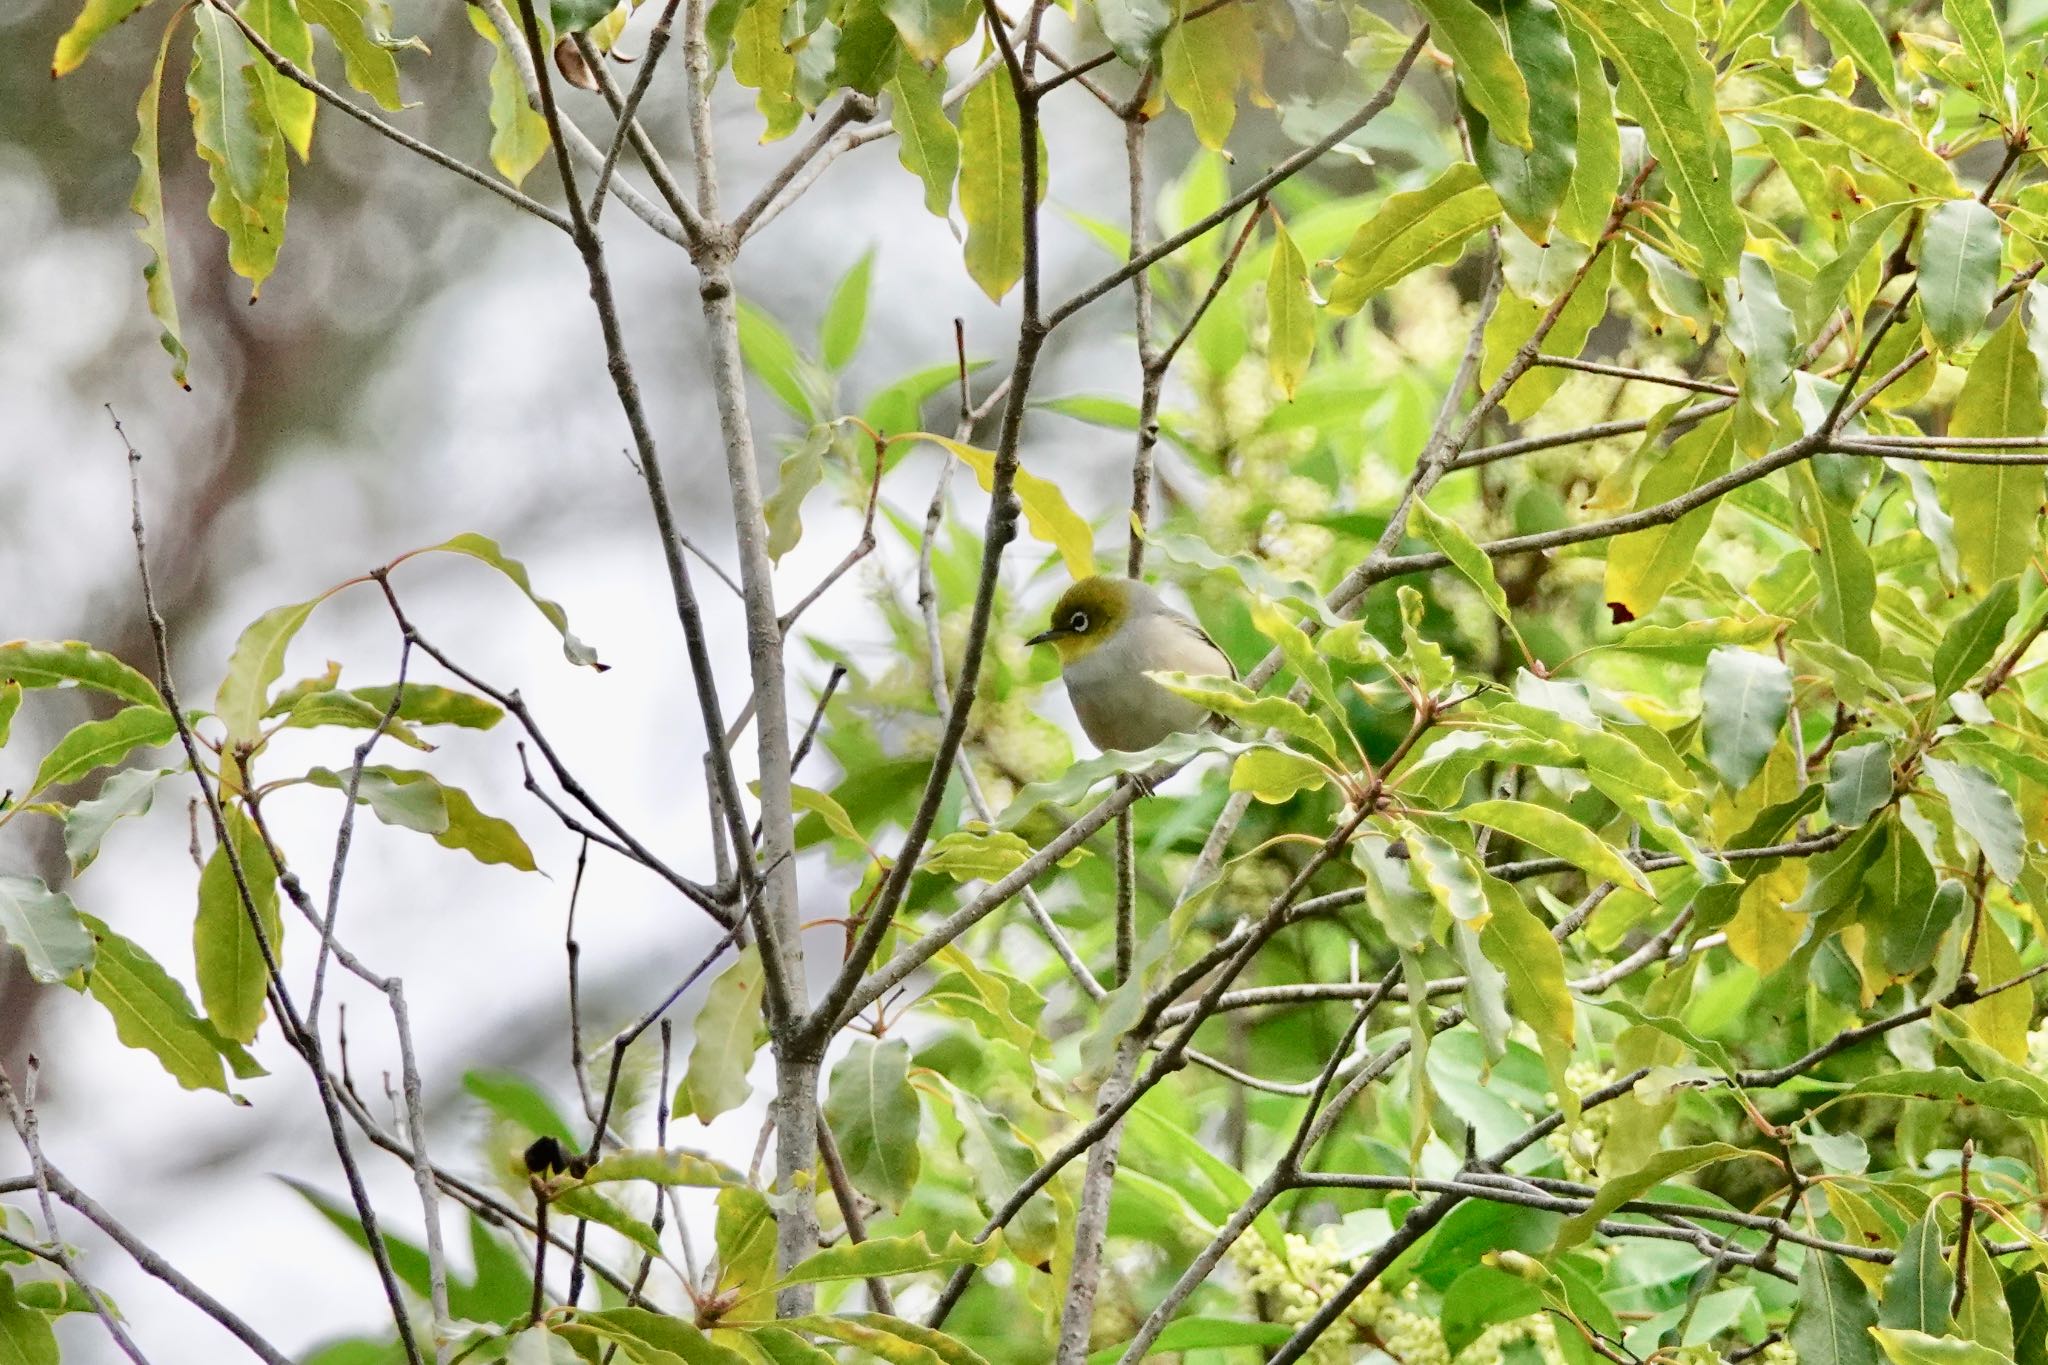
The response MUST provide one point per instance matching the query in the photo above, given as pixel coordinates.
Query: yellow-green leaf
(1557, 834)
(1412, 229)
(992, 185)
(1643, 564)
(729, 1031)
(1290, 320)
(1046, 511)
(1203, 64)
(1275, 775)
(147, 203)
(763, 64)
(485, 549)
(1882, 141)
(926, 143)
(232, 970)
(1997, 507)
(361, 29)
(95, 20)
(292, 106)
(66, 663)
(1667, 85)
(101, 743)
(519, 134)
(236, 137)
(1486, 72)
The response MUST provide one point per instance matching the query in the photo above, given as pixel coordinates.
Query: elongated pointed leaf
(147, 203)
(1997, 507)
(361, 29)
(1970, 642)
(1412, 229)
(96, 19)
(926, 143)
(151, 1012)
(232, 968)
(1985, 811)
(1290, 320)
(1835, 1315)
(1619, 1189)
(875, 1115)
(1642, 565)
(992, 185)
(1667, 86)
(729, 1031)
(125, 793)
(1918, 1289)
(1047, 514)
(102, 743)
(1486, 70)
(486, 550)
(67, 663)
(238, 138)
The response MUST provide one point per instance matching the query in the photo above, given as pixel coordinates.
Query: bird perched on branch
(1111, 632)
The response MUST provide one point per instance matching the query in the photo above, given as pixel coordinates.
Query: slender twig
(21, 1110)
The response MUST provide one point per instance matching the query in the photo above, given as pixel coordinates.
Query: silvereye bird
(1110, 632)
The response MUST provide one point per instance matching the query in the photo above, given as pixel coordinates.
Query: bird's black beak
(1044, 637)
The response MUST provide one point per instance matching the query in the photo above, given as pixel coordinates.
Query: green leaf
(311, 710)
(1618, 1190)
(992, 185)
(1883, 142)
(976, 855)
(486, 550)
(1412, 229)
(1466, 557)
(1952, 1086)
(1197, 1333)
(1290, 316)
(580, 1202)
(1842, 563)
(256, 663)
(1969, 643)
(881, 1256)
(729, 1030)
(1902, 902)
(1228, 697)
(1667, 86)
(1831, 281)
(1533, 178)
(1519, 944)
(891, 1340)
(1596, 172)
(1276, 775)
(10, 702)
(1487, 74)
(518, 1100)
(762, 61)
(427, 704)
(1744, 698)
(1853, 32)
(803, 469)
(102, 743)
(236, 137)
(96, 19)
(152, 1013)
(1559, 835)
(232, 970)
(1449, 874)
(774, 359)
(846, 313)
(1135, 28)
(1859, 783)
(147, 201)
(1047, 513)
(927, 144)
(1918, 1289)
(52, 663)
(655, 1338)
(665, 1167)
(1833, 1323)
(578, 16)
(1958, 270)
(127, 792)
(519, 132)
(1762, 329)
(1203, 62)
(361, 29)
(292, 106)
(784, 1347)
(25, 1335)
(1985, 811)
(874, 1113)
(45, 926)
(419, 801)
(1904, 1346)
(932, 28)
(1083, 776)
(1642, 565)
(1996, 507)
(1976, 25)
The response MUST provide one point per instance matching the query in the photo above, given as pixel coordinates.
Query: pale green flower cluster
(1579, 1147)
(1379, 1324)
(1779, 1353)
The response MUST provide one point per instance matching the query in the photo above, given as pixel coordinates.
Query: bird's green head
(1088, 614)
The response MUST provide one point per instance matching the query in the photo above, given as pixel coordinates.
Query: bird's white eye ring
(1078, 622)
